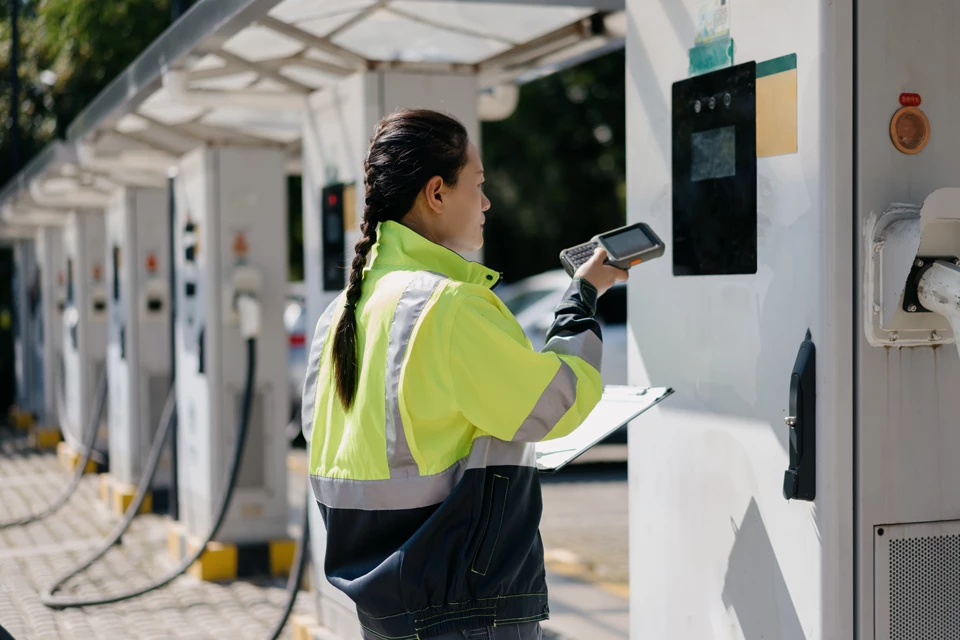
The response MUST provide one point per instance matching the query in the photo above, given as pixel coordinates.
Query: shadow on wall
(755, 587)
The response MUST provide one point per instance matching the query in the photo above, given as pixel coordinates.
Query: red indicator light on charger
(910, 99)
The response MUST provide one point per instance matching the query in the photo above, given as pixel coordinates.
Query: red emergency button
(151, 262)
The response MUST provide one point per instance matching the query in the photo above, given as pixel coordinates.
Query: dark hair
(408, 149)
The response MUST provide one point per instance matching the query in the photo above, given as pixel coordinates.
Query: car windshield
(612, 306)
(292, 316)
(525, 299)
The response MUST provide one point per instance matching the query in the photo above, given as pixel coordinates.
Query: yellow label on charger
(777, 106)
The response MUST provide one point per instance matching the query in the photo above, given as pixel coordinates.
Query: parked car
(295, 323)
(533, 300)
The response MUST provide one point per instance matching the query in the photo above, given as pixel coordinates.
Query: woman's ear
(433, 192)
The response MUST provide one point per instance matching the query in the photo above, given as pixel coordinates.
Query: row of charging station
(105, 282)
(117, 265)
(104, 286)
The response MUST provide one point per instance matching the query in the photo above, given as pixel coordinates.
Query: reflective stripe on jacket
(428, 485)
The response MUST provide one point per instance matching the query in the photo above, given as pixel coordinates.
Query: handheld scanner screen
(629, 242)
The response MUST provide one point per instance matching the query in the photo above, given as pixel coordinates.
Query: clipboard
(618, 406)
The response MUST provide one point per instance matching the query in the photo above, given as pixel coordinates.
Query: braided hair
(408, 149)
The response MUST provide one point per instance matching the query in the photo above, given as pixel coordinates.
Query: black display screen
(69, 281)
(331, 211)
(714, 154)
(714, 151)
(628, 243)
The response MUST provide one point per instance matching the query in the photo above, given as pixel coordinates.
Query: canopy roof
(239, 72)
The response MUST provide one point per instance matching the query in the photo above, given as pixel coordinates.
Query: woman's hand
(601, 276)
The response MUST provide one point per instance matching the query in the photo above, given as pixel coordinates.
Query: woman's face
(459, 225)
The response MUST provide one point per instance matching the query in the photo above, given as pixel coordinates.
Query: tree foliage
(556, 168)
(69, 51)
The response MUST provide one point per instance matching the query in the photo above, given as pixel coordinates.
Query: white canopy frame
(240, 72)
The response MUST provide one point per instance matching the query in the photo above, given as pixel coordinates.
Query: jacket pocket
(493, 522)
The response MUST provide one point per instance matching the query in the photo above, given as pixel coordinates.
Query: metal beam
(354, 60)
(217, 72)
(217, 134)
(543, 70)
(310, 63)
(599, 5)
(361, 15)
(150, 143)
(423, 67)
(448, 27)
(201, 133)
(172, 129)
(538, 47)
(265, 72)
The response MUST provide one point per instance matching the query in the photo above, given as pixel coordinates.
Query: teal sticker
(712, 56)
(777, 65)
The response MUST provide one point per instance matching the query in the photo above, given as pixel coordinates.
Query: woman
(423, 400)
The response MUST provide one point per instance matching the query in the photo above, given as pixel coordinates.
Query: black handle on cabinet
(800, 479)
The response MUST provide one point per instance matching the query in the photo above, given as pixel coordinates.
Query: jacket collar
(400, 246)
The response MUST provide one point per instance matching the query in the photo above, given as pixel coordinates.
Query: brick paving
(33, 555)
(584, 513)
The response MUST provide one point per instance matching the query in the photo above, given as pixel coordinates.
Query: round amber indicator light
(910, 130)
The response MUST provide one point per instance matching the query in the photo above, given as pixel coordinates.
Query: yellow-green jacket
(428, 485)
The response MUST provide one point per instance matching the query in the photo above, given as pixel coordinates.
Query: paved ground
(585, 520)
(31, 556)
(584, 530)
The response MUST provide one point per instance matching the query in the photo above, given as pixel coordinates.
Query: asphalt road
(584, 524)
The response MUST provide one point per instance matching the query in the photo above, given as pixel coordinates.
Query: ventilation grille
(925, 588)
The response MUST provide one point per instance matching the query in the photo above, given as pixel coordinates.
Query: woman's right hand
(601, 276)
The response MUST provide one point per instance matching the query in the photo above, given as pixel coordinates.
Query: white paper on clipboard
(618, 406)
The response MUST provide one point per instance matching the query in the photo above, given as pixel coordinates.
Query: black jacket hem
(472, 614)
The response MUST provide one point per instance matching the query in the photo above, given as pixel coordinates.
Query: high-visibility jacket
(428, 486)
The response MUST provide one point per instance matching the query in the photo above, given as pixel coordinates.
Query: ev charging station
(231, 234)
(138, 343)
(28, 347)
(52, 304)
(800, 163)
(84, 324)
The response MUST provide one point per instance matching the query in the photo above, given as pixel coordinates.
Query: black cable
(167, 420)
(90, 440)
(63, 603)
(299, 566)
(174, 502)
